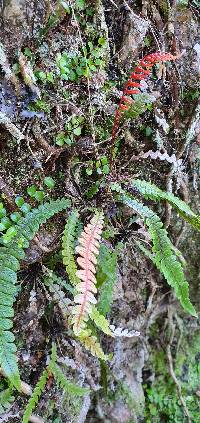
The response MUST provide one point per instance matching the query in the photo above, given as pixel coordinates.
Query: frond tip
(87, 249)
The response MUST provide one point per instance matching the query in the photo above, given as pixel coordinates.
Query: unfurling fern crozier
(87, 249)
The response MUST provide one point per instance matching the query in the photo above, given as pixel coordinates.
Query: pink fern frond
(141, 72)
(87, 249)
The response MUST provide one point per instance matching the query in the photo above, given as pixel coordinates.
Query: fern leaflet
(54, 284)
(10, 254)
(163, 250)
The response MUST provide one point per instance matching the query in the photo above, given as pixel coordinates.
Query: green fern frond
(100, 321)
(37, 392)
(10, 254)
(164, 257)
(62, 381)
(91, 344)
(6, 400)
(151, 191)
(68, 386)
(68, 247)
(106, 278)
(55, 284)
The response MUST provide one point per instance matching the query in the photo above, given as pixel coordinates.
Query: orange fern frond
(87, 249)
(141, 72)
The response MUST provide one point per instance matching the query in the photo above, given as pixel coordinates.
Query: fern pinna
(10, 254)
(87, 249)
(132, 87)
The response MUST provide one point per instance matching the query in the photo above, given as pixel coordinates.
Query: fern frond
(106, 278)
(123, 333)
(55, 284)
(133, 85)
(68, 386)
(178, 163)
(37, 392)
(100, 321)
(68, 247)
(62, 381)
(87, 249)
(10, 254)
(163, 250)
(149, 190)
(6, 400)
(91, 343)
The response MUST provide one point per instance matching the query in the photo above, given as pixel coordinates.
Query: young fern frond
(164, 257)
(133, 85)
(10, 254)
(68, 247)
(149, 190)
(35, 397)
(87, 249)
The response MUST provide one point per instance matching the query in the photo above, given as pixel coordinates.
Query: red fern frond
(141, 72)
(88, 249)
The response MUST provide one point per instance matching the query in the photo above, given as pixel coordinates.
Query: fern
(88, 249)
(164, 257)
(151, 191)
(68, 247)
(91, 343)
(6, 400)
(100, 321)
(55, 284)
(65, 384)
(133, 85)
(68, 386)
(37, 392)
(61, 380)
(106, 278)
(10, 254)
